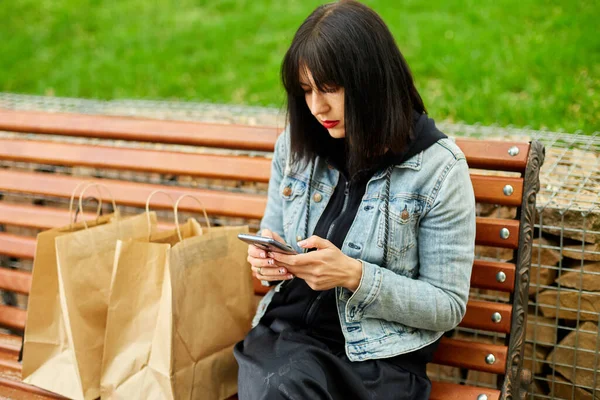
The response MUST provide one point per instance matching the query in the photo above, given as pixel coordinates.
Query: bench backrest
(136, 156)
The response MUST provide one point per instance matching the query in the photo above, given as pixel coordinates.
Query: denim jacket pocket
(292, 192)
(396, 328)
(402, 227)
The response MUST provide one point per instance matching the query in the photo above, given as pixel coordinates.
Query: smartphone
(267, 244)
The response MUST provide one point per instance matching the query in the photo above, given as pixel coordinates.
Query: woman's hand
(323, 269)
(264, 267)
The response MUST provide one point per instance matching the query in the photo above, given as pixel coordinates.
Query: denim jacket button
(287, 191)
(317, 197)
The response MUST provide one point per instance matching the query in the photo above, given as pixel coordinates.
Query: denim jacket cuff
(367, 291)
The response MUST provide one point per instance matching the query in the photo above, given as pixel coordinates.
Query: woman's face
(327, 106)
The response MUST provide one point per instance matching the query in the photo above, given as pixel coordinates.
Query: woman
(380, 206)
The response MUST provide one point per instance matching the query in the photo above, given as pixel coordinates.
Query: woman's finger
(270, 273)
(314, 257)
(315, 242)
(272, 234)
(262, 262)
(277, 237)
(255, 252)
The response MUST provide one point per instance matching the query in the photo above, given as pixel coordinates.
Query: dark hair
(346, 44)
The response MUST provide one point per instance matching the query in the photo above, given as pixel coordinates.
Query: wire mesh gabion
(563, 342)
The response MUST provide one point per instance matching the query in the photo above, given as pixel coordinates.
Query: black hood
(425, 135)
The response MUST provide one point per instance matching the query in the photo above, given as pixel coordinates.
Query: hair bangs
(312, 55)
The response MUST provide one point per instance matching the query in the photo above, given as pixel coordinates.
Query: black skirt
(280, 362)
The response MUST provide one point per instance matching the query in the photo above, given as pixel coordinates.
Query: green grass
(527, 63)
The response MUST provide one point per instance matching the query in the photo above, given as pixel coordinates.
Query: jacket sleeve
(437, 299)
(273, 217)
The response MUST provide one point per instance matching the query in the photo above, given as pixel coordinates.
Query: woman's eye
(330, 90)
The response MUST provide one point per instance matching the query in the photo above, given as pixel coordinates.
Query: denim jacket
(423, 291)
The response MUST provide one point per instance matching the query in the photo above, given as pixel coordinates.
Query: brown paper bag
(84, 262)
(176, 310)
(46, 351)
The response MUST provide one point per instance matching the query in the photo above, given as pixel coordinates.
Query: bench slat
(217, 202)
(10, 346)
(141, 129)
(471, 355)
(18, 390)
(12, 317)
(36, 217)
(489, 189)
(487, 232)
(479, 316)
(485, 275)
(253, 169)
(41, 217)
(453, 391)
(17, 246)
(493, 154)
(135, 194)
(32, 216)
(10, 365)
(14, 280)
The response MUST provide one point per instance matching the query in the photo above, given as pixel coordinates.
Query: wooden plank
(10, 346)
(10, 365)
(485, 273)
(217, 202)
(471, 355)
(135, 194)
(487, 232)
(253, 169)
(453, 391)
(17, 246)
(141, 129)
(17, 390)
(493, 154)
(479, 316)
(489, 189)
(13, 317)
(42, 217)
(14, 280)
(36, 217)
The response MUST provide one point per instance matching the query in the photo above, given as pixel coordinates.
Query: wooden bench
(234, 186)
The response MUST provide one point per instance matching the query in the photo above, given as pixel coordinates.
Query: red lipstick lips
(330, 124)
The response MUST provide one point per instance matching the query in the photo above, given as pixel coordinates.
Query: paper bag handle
(177, 215)
(98, 186)
(148, 206)
(72, 219)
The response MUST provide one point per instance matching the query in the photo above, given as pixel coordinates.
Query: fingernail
(302, 243)
(282, 271)
(263, 254)
(271, 261)
(290, 276)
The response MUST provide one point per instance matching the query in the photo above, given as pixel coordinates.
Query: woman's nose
(319, 105)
